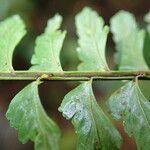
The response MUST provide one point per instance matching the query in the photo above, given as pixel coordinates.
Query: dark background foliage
(35, 13)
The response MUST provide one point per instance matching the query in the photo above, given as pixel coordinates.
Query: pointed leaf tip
(53, 24)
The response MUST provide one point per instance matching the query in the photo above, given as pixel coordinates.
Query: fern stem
(75, 75)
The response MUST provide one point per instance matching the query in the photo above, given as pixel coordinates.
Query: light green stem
(75, 75)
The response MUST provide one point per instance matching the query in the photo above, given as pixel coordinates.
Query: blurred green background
(35, 13)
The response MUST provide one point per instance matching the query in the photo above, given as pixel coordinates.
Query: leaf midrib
(37, 104)
(99, 54)
(92, 114)
(54, 57)
(139, 102)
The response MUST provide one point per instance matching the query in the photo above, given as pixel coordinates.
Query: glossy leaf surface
(92, 40)
(48, 47)
(129, 104)
(94, 129)
(11, 32)
(27, 115)
(129, 41)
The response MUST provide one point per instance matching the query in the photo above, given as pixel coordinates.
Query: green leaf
(147, 49)
(129, 42)
(147, 40)
(130, 104)
(27, 115)
(147, 19)
(48, 47)
(94, 129)
(11, 32)
(92, 40)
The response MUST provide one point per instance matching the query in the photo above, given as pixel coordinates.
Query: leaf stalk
(75, 75)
